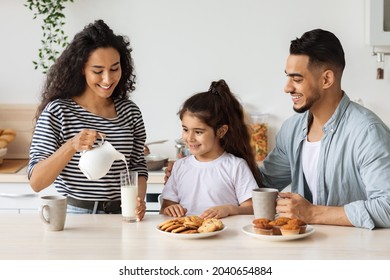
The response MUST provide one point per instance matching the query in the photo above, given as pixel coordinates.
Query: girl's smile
(200, 138)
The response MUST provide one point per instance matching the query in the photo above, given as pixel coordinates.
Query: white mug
(264, 203)
(53, 212)
(97, 162)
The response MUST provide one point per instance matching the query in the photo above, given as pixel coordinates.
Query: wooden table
(106, 237)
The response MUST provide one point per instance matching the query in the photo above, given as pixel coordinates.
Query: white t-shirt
(198, 186)
(310, 154)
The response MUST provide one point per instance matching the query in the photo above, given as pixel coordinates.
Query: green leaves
(53, 37)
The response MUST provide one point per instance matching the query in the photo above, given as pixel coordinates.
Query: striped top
(63, 119)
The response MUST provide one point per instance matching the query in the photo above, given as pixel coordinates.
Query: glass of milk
(129, 193)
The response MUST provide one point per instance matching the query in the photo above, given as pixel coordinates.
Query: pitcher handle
(99, 143)
(102, 139)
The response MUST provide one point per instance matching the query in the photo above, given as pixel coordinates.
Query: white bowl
(155, 162)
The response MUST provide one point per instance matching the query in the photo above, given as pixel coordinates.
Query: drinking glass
(129, 194)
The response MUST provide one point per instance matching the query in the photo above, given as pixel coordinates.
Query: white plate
(248, 229)
(192, 235)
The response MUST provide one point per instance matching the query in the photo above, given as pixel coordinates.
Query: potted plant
(53, 36)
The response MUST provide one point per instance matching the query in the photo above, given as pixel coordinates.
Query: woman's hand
(46, 171)
(85, 139)
(141, 209)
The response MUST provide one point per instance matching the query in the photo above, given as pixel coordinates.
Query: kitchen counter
(18, 177)
(94, 237)
(16, 195)
(155, 177)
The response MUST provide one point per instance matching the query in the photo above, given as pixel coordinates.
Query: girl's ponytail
(237, 139)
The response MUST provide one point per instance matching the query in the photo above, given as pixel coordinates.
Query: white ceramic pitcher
(97, 162)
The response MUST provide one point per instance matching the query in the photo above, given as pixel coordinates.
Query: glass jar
(181, 149)
(259, 135)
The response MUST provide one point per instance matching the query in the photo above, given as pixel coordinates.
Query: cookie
(168, 224)
(179, 229)
(172, 227)
(210, 225)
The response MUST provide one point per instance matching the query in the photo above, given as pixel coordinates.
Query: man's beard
(309, 103)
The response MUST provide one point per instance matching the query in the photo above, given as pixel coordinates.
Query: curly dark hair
(218, 107)
(65, 77)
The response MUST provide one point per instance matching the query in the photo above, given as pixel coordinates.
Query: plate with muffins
(191, 227)
(280, 229)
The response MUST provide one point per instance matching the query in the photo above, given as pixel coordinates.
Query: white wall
(180, 46)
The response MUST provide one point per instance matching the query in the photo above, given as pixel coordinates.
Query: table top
(98, 237)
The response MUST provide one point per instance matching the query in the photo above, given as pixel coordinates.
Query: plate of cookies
(191, 227)
(280, 229)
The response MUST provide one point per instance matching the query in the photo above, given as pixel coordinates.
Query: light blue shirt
(353, 167)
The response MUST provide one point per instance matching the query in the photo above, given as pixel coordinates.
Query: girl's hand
(84, 140)
(141, 209)
(216, 212)
(175, 210)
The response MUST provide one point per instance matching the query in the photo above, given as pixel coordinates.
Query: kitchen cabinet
(378, 22)
(20, 198)
(154, 190)
(16, 195)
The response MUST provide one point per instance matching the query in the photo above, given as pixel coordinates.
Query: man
(334, 153)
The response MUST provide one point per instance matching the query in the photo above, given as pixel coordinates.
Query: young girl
(217, 179)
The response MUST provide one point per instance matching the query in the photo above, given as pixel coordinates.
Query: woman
(86, 93)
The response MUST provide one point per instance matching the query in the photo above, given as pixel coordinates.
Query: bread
(8, 131)
(3, 143)
(6, 136)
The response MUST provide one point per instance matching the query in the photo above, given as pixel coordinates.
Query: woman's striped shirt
(63, 119)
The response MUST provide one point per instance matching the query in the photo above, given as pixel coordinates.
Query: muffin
(261, 220)
(263, 228)
(302, 225)
(278, 223)
(290, 229)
